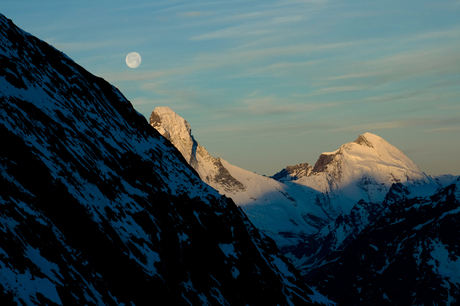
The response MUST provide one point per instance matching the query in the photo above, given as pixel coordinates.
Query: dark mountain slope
(96, 208)
(408, 256)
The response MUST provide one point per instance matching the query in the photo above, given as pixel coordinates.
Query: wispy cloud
(287, 19)
(83, 45)
(272, 105)
(445, 129)
(231, 32)
(329, 90)
(194, 14)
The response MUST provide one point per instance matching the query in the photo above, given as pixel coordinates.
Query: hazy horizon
(267, 84)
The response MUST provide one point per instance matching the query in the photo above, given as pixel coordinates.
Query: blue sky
(267, 84)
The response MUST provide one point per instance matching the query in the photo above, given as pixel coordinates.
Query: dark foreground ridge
(98, 209)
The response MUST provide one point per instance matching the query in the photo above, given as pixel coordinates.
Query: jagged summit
(210, 169)
(176, 129)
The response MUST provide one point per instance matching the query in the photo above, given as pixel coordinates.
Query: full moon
(133, 60)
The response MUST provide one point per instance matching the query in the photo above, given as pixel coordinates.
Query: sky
(267, 84)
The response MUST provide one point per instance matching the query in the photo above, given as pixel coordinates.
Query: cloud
(441, 123)
(231, 32)
(83, 46)
(445, 129)
(137, 76)
(425, 68)
(272, 105)
(451, 33)
(329, 90)
(194, 14)
(287, 19)
(360, 128)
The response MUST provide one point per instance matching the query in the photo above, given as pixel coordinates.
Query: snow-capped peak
(365, 168)
(371, 155)
(210, 169)
(176, 129)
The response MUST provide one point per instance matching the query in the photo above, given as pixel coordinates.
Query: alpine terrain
(408, 256)
(319, 215)
(97, 208)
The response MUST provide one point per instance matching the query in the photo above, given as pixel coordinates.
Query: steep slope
(300, 205)
(271, 205)
(355, 180)
(363, 169)
(408, 256)
(445, 179)
(98, 209)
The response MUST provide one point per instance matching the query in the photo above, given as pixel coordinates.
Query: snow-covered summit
(369, 163)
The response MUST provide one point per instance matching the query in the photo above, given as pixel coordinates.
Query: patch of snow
(228, 249)
(442, 262)
(235, 272)
(317, 297)
(374, 247)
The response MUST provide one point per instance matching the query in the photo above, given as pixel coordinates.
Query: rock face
(408, 256)
(98, 209)
(291, 173)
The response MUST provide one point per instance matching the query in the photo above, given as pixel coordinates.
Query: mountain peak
(368, 156)
(176, 129)
(210, 169)
(163, 116)
(362, 140)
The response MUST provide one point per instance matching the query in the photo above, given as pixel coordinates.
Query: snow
(364, 169)
(228, 249)
(317, 297)
(25, 286)
(281, 266)
(442, 262)
(374, 247)
(235, 272)
(386, 297)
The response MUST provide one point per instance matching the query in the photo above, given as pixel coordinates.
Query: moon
(133, 60)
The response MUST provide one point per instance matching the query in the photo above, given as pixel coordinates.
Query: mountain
(445, 179)
(383, 232)
(268, 203)
(98, 209)
(302, 202)
(408, 256)
(355, 180)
